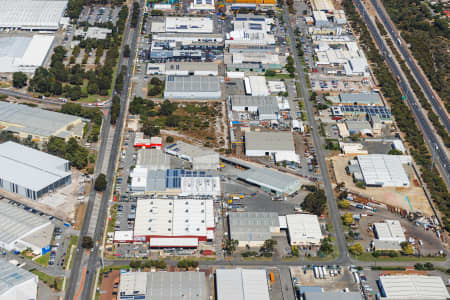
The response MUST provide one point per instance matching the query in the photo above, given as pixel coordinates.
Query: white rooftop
(384, 170)
(32, 14)
(242, 284)
(173, 217)
(390, 230)
(12, 276)
(189, 24)
(30, 168)
(17, 223)
(413, 287)
(304, 229)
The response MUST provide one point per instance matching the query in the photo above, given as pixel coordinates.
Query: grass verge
(53, 282)
(43, 259)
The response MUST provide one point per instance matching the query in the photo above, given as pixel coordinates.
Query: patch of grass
(112, 223)
(73, 241)
(43, 260)
(367, 256)
(254, 258)
(53, 282)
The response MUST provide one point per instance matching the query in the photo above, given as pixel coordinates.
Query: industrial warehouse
(31, 173)
(32, 15)
(174, 222)
(201, 158)
(20, 53)
(163, 286)
(192, 87)
(16, 283)
(304, 230)
(40, 124)
(253, 228)
(277, 145)
(23, 230)
(413, 287)
(242, 284)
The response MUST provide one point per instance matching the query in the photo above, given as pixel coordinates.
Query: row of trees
(91, 113)
(71, 150)
(402, 114)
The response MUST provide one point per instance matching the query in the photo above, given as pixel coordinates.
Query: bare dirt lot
(411, 198)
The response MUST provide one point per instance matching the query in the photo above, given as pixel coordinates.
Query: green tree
(156, 81)
(167, 108)
(270, 73)
(19, 79)
(100, 183)
(315, 202)
(395, 152)
(407, 248)
(154, 91)
(126, 51)
(169, 139)
(87, 242)
(326, 248)
(343, 204)
(230, 246)
(356, 249)
(348, 219)
(136, 264)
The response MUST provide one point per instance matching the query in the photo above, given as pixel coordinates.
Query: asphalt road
(332, 206)
(94, 257)
(93, 262)
(429, 134)
(46, 100)
(441, 112)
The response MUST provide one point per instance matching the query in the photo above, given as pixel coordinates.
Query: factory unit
(362, 112)
(98, 33)
(22, 230)
(278, 145)
(202, 5)
(371, 99)
(31, 173)
(242, 284)
(256, 86)
(25, 121)
(163, 286)
(189, 38)
(24, 53)
(178, 182)
(162, 55)
(412, 287)
(382, 170)
(32, 15)
(184, 68)
(253, 228)
(323, 5)
(184, 25)
(389, 230)
(17, 283)
(192, 87)
(153, 159)
(255, 107)
(304, 230)
(155, 142)
(271, 180)
(200, 157)
(174, 222)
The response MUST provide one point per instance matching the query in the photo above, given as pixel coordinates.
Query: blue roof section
(170, 179)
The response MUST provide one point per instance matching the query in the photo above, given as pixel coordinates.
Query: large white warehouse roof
(412, 287)
(23, 53)
(304, 229)
(242, 284)
(32, 14)
(384, 170)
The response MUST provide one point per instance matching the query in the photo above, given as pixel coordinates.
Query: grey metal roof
(269, 141)
(252, 226)
(332, 296)
(17, 222)
(242, 284)
(11, 276)
(362, 98)
(176, 286)
(190, 150)
(241, 100)
(29, 167)
(153, 159)
(33, 120)
(191, 66)
(271, 179)
(192, 84)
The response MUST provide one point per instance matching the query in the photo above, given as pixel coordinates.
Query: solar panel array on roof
(383, 112)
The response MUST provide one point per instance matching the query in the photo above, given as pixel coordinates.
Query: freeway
(332, 206)
(46, 100)
(424, 84)
(93, 258)
(438, 150)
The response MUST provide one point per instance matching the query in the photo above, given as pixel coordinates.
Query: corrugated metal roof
(269, 141)
(252, 226)
(192, 84)
(413, 287)
(29, 167)
(11, 276)
(17, 222)
(242, 284)
(271, 179)
(33, 120)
